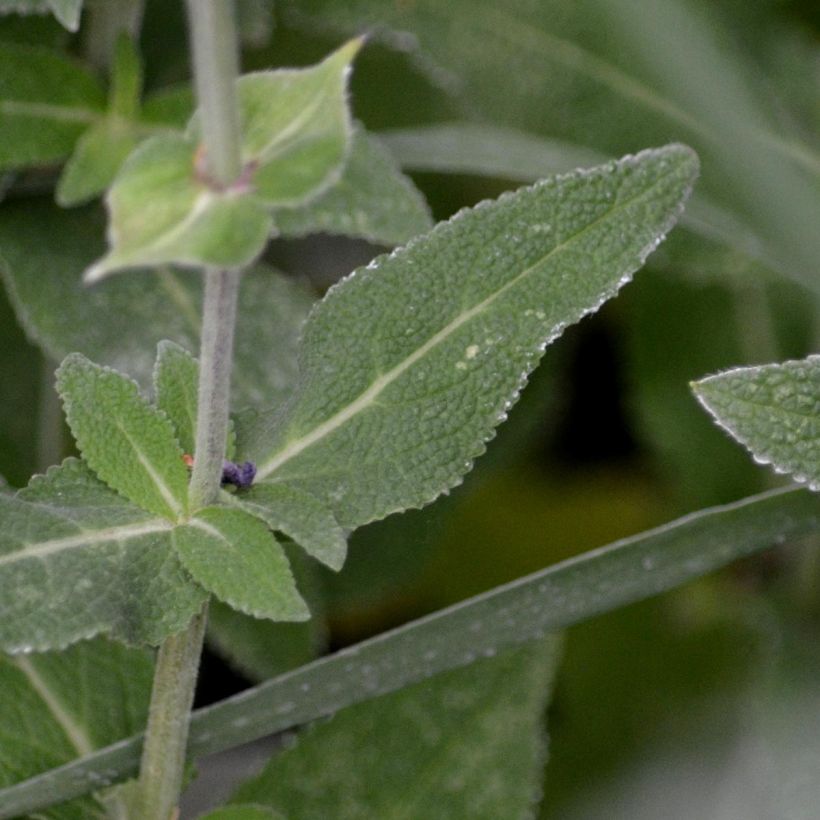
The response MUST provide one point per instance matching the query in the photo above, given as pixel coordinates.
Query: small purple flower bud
(240, 475)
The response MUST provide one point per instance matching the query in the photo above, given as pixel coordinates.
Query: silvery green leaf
(58, 706)
(66, 11)
(128, 443)
(372, 200)
(470, 742)
(408, 365)
(163, 211)
(299, 516)
(234, 556)
(77, 560)
(46, 102)
(63, 316)
(774, 411)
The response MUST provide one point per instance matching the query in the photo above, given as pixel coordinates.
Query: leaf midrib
(62, 113)
(382, 382)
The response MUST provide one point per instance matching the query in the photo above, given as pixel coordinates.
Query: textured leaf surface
(372, 200)
(97, 157)
(119, 321)
(46, 102)
(409, 364)
(128, 443)
(176, 380)
(467, 744)
(162, 212)
(296, 127)
(774, 410)
(234, 556)
(76, 559)
(301, 517)
(56, 707)
(626, 571)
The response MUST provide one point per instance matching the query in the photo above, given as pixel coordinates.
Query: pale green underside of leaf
(300, 517)
(57, 707)
(296, 128)
(46, 102)
(605, 579)
(161, 213)
(98, 155)
(128, 443)
(234, 555)
(466, 745)
(66, 11)
(408, 365)
(774, 411)
(76, 560)
(176, 382)
(466, 148)
(119, 321)
(372, 200)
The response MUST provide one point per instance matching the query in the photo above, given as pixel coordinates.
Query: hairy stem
(215, 61)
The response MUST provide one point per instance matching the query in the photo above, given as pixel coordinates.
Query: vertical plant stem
(107, 18)
(215, 61)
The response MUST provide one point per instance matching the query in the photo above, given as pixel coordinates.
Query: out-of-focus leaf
(66, 11)
(243, 812)
(78, 560)
(470, 743)
(46, 102)
(120, 321)
(408, 365)
(128, 443)
(372, 200)
(56, 707)
(629, 570)
(773, 410)
(234, 556)
(610, 75)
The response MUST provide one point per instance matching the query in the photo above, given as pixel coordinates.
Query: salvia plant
(231, 433)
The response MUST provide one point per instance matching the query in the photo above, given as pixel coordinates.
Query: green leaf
(46, 102)
(98, 155)
(243, 812)
(296, 128)
(373, 200)
(599, 581)
(62, 316)
(128, 443)
(774, 411)
(409, 364)
(299, 516)
(234, 556)
(66, 11)
(57, 707)
(468, 744)
(77, 559)
(162, 211)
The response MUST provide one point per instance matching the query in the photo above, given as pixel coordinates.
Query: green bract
(774, 410)
(295, 133)
(408, 365)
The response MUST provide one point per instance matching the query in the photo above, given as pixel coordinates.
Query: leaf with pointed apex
(77, 560)
(162, 212)
(299, 516)
(409, 364)
(234, 556)
(466, 744)
(774, 411)
(66, 11)
(46, 102)
(176, 382)
(59, 706)
(63, 316)
(128, 443)
(97, 157)
(296, 128)
(373, 200)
